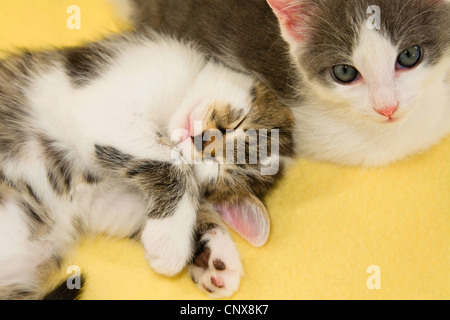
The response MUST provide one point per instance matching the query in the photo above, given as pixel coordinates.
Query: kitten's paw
(167, 251)
(217, 267)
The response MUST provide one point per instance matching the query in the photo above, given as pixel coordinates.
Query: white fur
(168, 242)
(110, 208)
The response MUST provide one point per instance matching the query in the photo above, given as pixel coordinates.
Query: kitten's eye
(409, 57)
(345, 73)
(233, 126)
(238, 124)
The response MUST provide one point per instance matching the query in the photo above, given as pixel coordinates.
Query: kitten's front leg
(171, 194)
(168, 240)
(216, 268)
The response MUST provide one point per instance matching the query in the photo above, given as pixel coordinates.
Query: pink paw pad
(218, 282)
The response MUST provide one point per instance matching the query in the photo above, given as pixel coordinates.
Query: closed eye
(224, 130)
(240, 123)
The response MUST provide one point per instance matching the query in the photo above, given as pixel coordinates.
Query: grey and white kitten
(87, 146)
(361, 95)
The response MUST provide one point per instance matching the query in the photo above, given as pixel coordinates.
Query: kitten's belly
(111, 208)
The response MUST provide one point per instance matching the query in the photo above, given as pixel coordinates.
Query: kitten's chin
(395, 119)
(392, 120)
(387, 120)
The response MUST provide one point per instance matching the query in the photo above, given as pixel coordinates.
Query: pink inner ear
(292, 14)
(249, 219)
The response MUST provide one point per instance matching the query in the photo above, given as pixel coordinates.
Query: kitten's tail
(66, 291)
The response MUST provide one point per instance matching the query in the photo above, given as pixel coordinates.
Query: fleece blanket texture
(337, 232)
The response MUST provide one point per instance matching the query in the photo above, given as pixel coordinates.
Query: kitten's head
(371, 59)
(236, 141)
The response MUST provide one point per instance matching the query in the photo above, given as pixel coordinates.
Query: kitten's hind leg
(216, 268)
(26, 257)
(171, 194)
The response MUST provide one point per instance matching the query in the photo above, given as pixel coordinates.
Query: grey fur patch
(32, 212)
(33, 195)
(90, 178)
(13, 111)
(16, 74)
(83, 64)
(207, 219)
(36, 215)
(109, 156)
(59, 169)
(163, 184)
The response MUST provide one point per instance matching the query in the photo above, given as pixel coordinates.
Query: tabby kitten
(361, 95)
(101, 139)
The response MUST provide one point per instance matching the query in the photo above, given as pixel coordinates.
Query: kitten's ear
(292, 15)
(248, 217)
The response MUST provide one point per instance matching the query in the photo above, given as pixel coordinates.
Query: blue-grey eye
(409, 57)
(345, 73)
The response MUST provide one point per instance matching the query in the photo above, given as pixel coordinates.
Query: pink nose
(387, 111)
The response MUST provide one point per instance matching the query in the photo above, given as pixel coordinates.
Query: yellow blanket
(337, 233)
